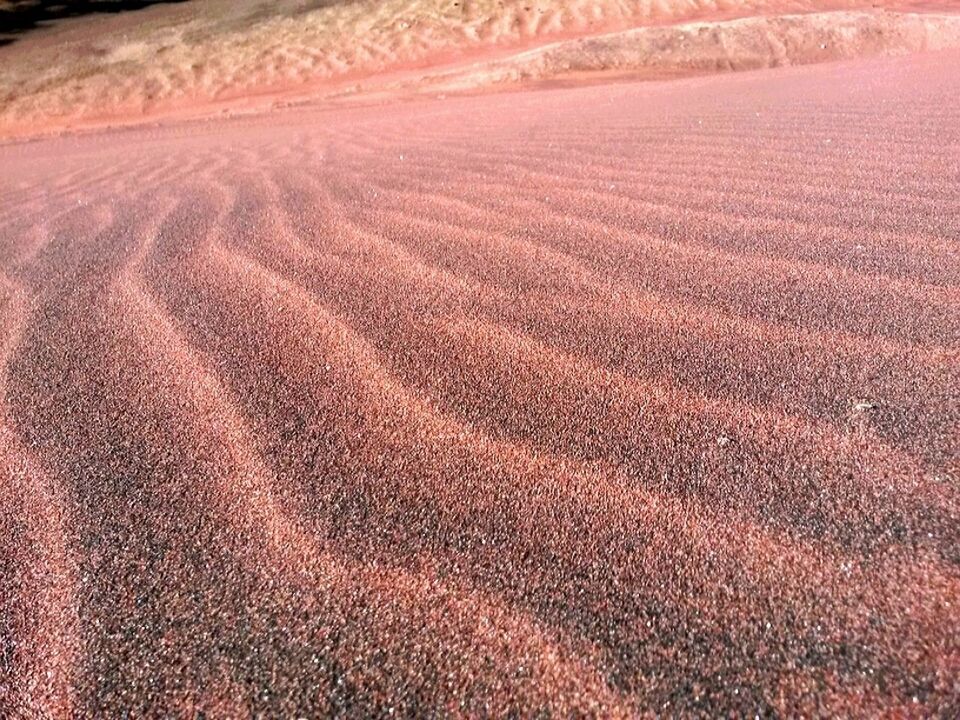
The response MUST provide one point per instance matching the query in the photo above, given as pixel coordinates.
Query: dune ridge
(607, 401)
(700, 47)
(223, 56)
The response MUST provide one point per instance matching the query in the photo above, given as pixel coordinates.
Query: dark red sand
(621, 400)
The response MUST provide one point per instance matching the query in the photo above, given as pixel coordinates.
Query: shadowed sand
(611, 400)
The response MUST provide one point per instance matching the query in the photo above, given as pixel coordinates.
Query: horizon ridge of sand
(160, 75)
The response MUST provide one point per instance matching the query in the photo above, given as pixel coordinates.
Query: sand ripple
(640, 398)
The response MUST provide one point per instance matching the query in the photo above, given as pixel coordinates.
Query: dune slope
(636, 398)
(202, 58)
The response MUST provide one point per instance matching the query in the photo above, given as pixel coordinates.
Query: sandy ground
(615, 400)
(207, 56)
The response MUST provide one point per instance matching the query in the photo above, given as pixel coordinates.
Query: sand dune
(232, 56)
(699, 47)
(613, 400)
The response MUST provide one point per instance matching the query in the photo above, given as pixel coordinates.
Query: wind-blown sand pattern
(613, 400)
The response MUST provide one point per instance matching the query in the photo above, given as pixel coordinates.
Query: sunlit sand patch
(192, 58)
(609, 399)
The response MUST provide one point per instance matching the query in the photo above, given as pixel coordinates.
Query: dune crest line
(243, 57)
